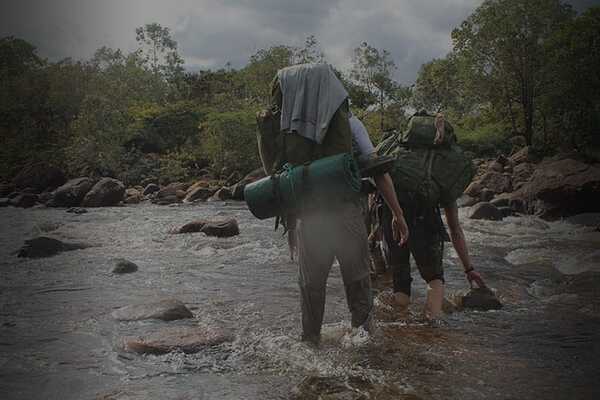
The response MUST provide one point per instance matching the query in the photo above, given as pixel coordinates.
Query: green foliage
(229, 140)
(484, 138)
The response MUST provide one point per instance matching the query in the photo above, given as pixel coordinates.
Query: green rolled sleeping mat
(322, 183)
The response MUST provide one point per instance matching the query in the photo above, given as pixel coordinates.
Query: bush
(229, 140)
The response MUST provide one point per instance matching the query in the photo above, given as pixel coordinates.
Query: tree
(373, 69)
(502, 45)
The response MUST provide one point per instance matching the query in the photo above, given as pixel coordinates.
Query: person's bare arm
(386, 188)
(460, 244)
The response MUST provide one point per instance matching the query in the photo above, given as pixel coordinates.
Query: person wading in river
(426, 244)
(314, 116)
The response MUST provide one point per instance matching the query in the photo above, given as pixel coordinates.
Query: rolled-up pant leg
(315, 257)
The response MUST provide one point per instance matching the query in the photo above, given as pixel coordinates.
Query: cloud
(211, 33)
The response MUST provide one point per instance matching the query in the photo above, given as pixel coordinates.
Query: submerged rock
(123, 266)
(45, 247)
(187, 339)
(226, 228)
(487, 211)
(346, 388)
(77, 210)
(165, 310)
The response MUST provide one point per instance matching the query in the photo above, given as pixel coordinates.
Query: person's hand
(474, 276)
(400, 229)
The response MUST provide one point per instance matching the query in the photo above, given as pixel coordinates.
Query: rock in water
(123, 266)
(45, 247)
(166, 310)
(24, 200)
(150, 189)
(77, 210)
(483, 299)
(107, 192)
(71, 194)
(224, 228)
(485, 210)
(188, 339)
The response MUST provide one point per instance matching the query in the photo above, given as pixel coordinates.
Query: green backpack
(431, 174)
(277, 148)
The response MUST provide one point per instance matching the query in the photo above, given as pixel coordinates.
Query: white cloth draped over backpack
(311, 94)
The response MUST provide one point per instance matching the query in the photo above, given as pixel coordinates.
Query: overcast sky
(211, 33)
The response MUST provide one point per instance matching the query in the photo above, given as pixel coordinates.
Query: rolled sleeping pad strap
(324, 181)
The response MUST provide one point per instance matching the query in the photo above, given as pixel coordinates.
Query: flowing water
(59, 341)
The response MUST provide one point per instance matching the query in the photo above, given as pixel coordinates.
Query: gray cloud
(213, 32)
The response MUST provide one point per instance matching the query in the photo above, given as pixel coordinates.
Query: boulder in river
(199, 194)
(466, 201)
(225, 228)
(24, 200)
(40, 176)
(165, 310)
(496, 181)
(107, 192)
(71, 194)
(43, 246)
(221, 195)
(4, 202)
(133, 196)
(482, 299)
(6, 189)
(123, 266)
(485, 210)
(187, 339)
(560, 188)
(150, 189)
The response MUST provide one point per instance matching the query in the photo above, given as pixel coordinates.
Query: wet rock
(106, 193)
(6, 189)
(346, 388)
(501, 200)
(187, 339)
(45, 197)
(225, 228)
(77, 210)
(167, 195)
(71, 194)
(199, 194)
(521, 156)
(133, 196)
(496, 181)
(497, 166)
(24, 200)
(151, 188)
(466, 201)
(521, 174)
(40, 176)
(237, 190)
(165, 310)
(560, 188)
(482, 299)
(506, 211)
(474, 189)
(486, 211)
(4, 202)
(43, 246)
(221, 195)
(486, 195)
(123, 266)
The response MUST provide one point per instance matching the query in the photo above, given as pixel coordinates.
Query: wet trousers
(322, 237)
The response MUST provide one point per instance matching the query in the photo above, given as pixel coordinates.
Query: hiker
(314, 123)
(426, 244)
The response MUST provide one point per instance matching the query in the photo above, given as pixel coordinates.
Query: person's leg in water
(315, 257)
(429, 261)
(435, 299)
(351, 249)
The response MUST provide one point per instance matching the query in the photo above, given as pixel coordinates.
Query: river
(58, 339)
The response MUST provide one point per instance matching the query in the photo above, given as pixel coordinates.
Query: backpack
(277, 148)
(424, 172)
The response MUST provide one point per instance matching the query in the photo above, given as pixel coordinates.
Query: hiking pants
(323, 236)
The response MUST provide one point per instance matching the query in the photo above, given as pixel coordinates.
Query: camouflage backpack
(429, 172)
